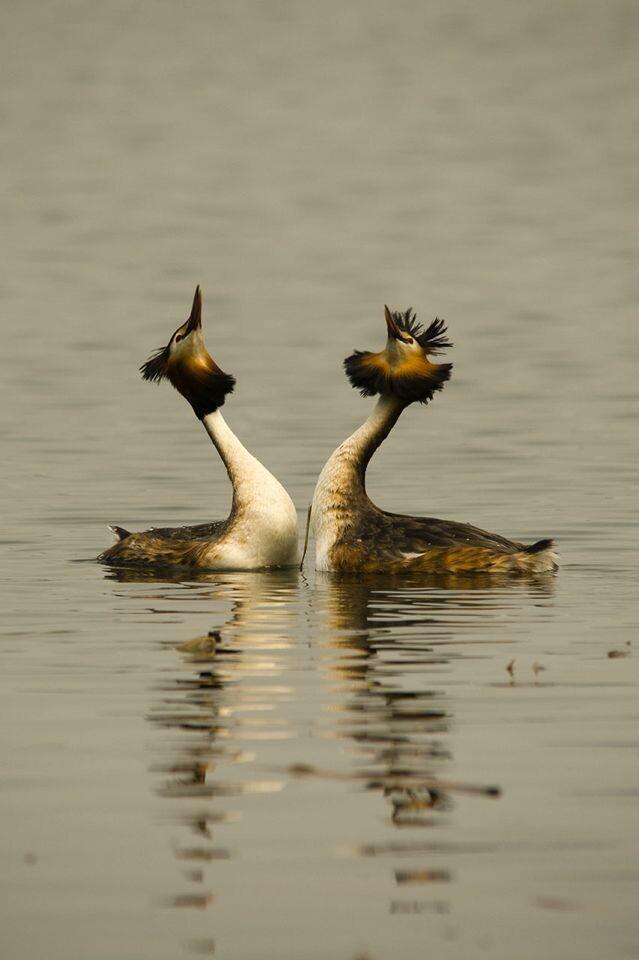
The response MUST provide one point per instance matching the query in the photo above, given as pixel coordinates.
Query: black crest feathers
(154, 369)
(402, 370)
(433, 339)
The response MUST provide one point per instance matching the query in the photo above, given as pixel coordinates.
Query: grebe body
(261, 530)
(351, 532)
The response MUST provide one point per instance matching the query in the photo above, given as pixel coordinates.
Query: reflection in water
(386, 642)
(397, 727)
(386, 649)
(228, 695)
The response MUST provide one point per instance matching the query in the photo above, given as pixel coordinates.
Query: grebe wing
(197, 531)
(416, 534)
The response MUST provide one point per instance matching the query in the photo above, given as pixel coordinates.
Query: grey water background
(298, 791)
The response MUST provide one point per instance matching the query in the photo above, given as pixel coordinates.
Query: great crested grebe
(351, 533)
(261, 530)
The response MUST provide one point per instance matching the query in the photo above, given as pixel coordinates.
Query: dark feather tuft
(433, 339)
(207, 391)
(371, 379)
(367, 381)
(120, 532)
(540, 546)
(154, 369)
(203, 384)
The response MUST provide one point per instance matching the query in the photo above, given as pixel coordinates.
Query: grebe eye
(179, 337)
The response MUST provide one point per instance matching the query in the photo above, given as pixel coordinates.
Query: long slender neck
(262, 528)
(361, 445)
(352, 457)
(340, 500)
(246, 473)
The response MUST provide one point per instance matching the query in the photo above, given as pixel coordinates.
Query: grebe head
(403, 368)
(186, 362)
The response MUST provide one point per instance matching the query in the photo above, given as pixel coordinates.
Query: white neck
(263, 516)
(244, 470)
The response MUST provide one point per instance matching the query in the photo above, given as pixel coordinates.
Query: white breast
(263, 532)
(328, 511)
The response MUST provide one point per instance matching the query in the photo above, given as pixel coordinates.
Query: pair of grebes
(351, 533)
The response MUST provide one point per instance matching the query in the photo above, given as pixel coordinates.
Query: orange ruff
(415, 365)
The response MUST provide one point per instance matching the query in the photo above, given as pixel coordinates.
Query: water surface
(353, 768)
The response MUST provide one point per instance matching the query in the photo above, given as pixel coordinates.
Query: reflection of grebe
(400, 729)
(262, 528)
(220, 695)
(351, 532)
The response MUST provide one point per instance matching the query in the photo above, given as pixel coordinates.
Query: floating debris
(615, 654)
(510, 667)
(201, 646)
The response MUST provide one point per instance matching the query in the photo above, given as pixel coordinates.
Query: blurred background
(307, 163)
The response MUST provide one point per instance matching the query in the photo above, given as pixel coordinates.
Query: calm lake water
(352, 772)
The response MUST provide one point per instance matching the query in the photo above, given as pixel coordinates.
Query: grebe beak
(394, 333)
(195, 319)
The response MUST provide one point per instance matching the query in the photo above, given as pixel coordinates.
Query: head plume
(403, 369)
(187, 364)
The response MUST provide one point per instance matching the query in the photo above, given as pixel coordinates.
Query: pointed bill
(195, 319)
(394, 333)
